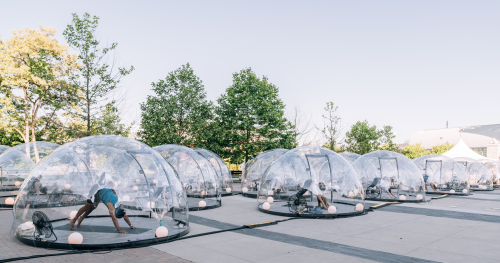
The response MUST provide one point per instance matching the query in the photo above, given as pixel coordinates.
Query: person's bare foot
(71, 224)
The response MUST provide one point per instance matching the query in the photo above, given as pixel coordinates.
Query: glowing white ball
(270, 199)
(135, 188)
(445, 186)
(332, 209)
(225, 179)
(452, 191)
(337, 187)
(137, 180)
(126, 198)
(9, 201)
(270, 192)
(465, 191)
(75, 238)
(185, 184)
(228, 190)
(17, 183)
(29, 224)
(244, 190)
(67, 186)
(351, 194)
(203, 192)
(402, 197)
(266, 206)
(151, 205)
(356, 191)
(359, 207)
(161, 231)
(246, 180)
(155, 181)
(214, 185)
(202, 204)
(72, 214)
(420, 197)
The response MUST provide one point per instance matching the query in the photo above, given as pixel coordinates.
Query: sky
(413, 65)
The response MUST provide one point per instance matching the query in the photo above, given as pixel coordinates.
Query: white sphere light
(465, 191)
(9, 201)
(137, 180)
(161, 231)
(270, 192)
(17, 183)
(452, 191)
(155, 181)
(420, 197)
(228, 190)
(214, 185)
(135, 188)
(402, 197)
(270, 200)
(75, 238)
(185, 184)
(126, 198)
(266, 206)
(360, 207)
(351, 194)
(202, 204)
(332, 209)
(151, 205)
(225, 179)
(244, 190)
(67, 186)
(72, 214)
(29, 224)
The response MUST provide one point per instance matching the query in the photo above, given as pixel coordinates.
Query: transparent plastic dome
(203, 186)
(3, 148)
(478, 175)
(397, 178)
(252, 174)
(311, 181)
(220, 168)
(70, 183)
(443, 175)
(15, 165)
(350, 157)
(494, 169)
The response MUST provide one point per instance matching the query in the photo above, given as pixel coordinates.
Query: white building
(483, 139)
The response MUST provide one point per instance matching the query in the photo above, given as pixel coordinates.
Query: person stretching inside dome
(107, 196)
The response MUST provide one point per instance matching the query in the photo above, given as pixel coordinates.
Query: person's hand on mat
(123, 232)
(133, 227)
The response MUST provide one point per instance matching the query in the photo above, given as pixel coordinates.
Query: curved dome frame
(396, 178)
(327, 177)
(220, 168)
(480, 179)
(65, 185)
(254, 170)
(350, 157)
(202, 184)
(442, 175)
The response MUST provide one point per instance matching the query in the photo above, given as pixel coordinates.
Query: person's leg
(434, 187)
(82, 210)
(85, 214)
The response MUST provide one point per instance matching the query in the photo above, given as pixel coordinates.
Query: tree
(179, 113)
(387, 137)
(331, 126)
(9, 138)
(34, 88)
(252, 116)
(301, 124)
(362, 138)
(442, 148)
(413, 151)
(97, 79)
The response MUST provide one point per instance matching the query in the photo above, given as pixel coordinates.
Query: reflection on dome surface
(199, 178)
(254, 170)
(442, 175)
(129, 175)
(350, 157)
(220, 168)
(480, 179)
(312, 182)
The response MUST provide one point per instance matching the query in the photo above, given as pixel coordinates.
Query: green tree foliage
(363, 138)
(97, 78)
(442, 148)
(10, 138)
(252, 116)
(413, 151)
(331, 126)
(179, 113)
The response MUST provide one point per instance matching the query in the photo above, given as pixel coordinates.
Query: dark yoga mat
(101, 229)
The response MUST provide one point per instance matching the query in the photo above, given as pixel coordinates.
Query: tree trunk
(26, 123)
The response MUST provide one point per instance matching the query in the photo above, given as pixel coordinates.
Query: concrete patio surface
(451, 229)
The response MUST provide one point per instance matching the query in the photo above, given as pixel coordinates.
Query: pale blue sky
(410, 64)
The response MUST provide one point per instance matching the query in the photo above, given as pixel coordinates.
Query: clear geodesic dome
(350, 157)
(252, 174)
(220, 168)
(73, 181)
(494, 169)
(480, 179)
(203, 186)
(15, 165)
(397, 178)
(310, 181)
(443, 175)
(3, 148)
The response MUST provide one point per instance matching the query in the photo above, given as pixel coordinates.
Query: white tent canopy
(462, 150)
